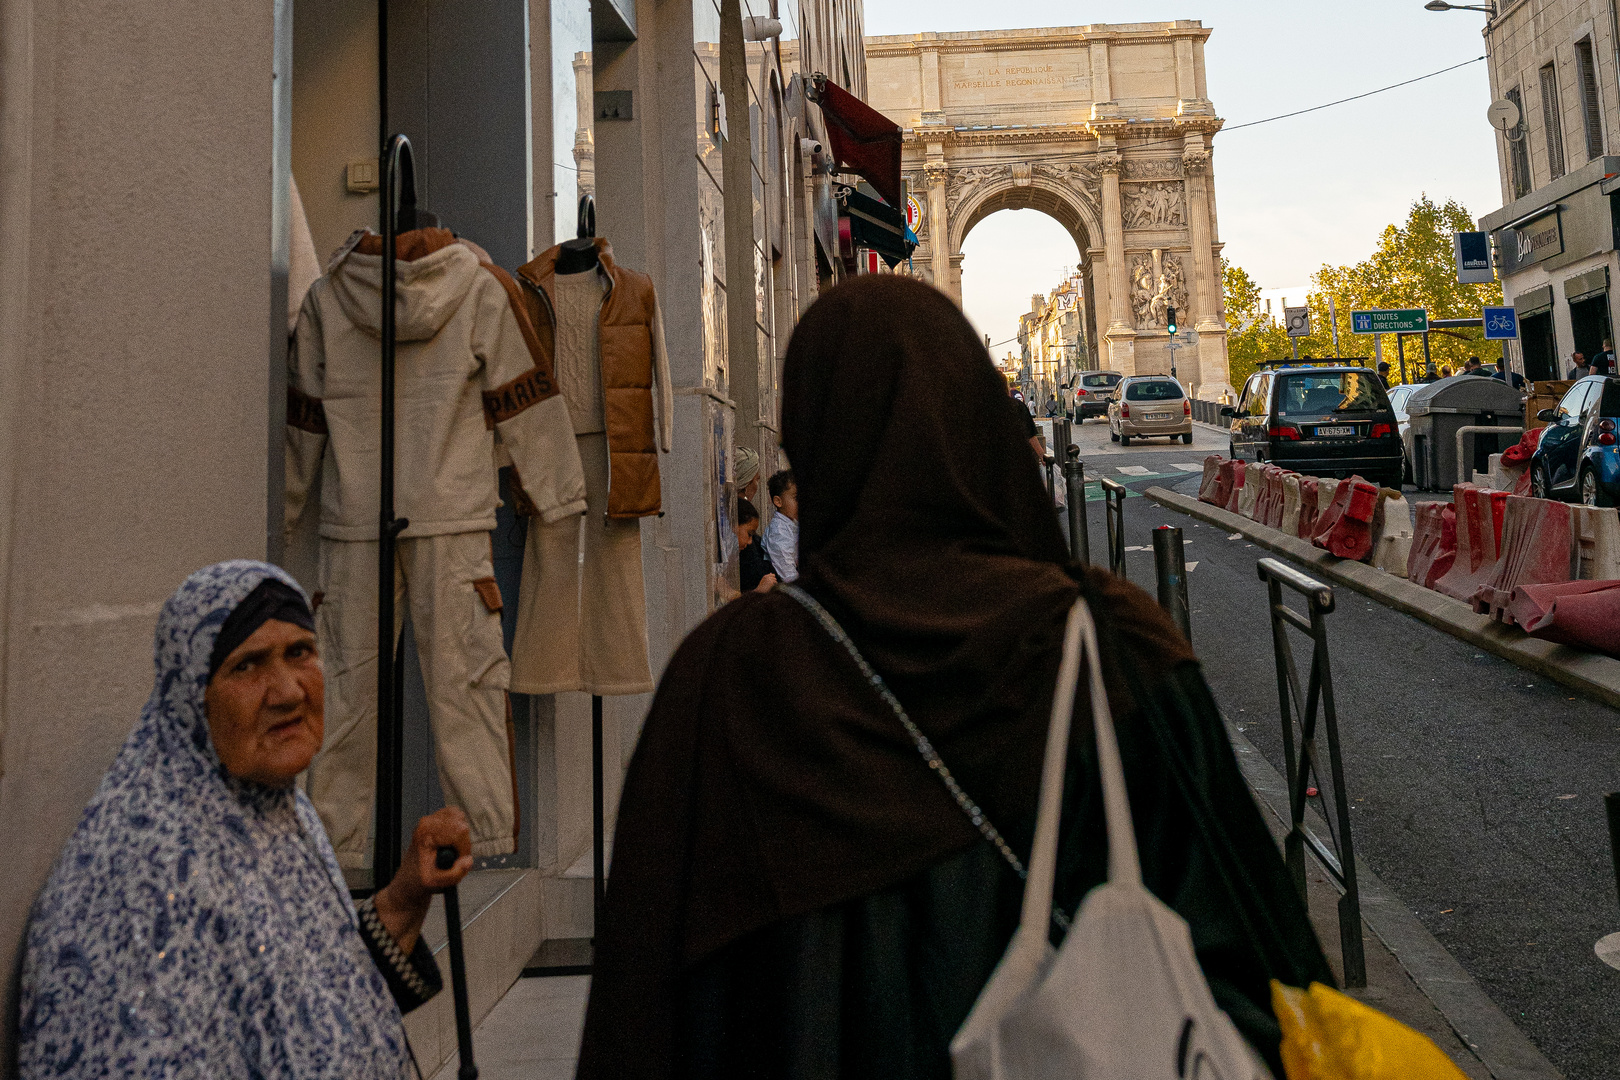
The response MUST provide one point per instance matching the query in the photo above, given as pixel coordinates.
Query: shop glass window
(1552, 123)
(1519, 150)
(1591, 112)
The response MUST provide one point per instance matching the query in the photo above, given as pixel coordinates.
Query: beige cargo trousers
(449, 583)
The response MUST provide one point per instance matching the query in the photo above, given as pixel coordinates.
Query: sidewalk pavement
(533, 1033)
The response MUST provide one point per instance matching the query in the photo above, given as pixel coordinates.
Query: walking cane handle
(446, 858)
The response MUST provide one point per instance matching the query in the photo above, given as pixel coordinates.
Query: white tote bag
(1123, 998)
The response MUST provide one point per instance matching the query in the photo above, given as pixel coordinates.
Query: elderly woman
(197, 925)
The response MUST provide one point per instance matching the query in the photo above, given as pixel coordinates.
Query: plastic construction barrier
(1261, 479)
(1538, 548)
(1291, 497)
(1580, 613)
(1345, 528)
(1235, 496)
(1392, 532)
(1597, 536)
(1478, 541)
(1214, 467)
(1277, 496)
(1434, 543)
(1305, 528)
(1254, 482)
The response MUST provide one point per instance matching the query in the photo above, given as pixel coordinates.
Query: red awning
(863, 139)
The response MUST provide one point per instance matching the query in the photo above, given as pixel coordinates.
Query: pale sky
(1290, 195)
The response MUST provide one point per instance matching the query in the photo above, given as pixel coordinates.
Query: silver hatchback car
(1149, 405)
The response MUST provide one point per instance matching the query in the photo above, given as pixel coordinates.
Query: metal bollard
(1074, 476)
(1114, 494)
(1611, 802)
(1170, 568)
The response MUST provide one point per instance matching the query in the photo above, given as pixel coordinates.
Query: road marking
(1134, 470)
(1192, 566)
(1184, 467)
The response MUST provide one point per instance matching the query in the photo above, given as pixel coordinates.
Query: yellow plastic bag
(1329, 1036)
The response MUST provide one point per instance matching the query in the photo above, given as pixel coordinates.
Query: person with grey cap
(747, 473)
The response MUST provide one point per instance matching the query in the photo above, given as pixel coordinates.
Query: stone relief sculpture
(1150, 206)
(965, 180)
(1158, 283)
(1152, 169)
(1078, 177)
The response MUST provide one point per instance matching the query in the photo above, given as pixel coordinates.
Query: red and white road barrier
(1345, 528)
(1434, 543)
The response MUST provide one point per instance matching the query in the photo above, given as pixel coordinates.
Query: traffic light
(1172, 317)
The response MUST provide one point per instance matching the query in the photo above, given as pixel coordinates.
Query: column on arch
(1213, 376)
(939, 226)
(1120, 336)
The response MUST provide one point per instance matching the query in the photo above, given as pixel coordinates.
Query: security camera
(810, 146)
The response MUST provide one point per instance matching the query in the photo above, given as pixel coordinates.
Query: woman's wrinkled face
(266, 705)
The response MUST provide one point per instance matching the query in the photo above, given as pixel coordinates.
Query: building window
(1519, 150)
(1552, 123)
(1591, 113)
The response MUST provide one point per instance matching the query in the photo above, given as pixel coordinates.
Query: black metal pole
(1611, 802)
(1400, 354)
(1170, 569)
(468, 1070)
(1428, 361)
(598, 814)
(1074, 476)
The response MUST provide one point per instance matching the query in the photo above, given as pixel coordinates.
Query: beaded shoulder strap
(924, 746)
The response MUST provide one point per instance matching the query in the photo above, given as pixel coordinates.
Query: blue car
(1578, 459)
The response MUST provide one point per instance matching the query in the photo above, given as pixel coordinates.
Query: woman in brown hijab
(794, 892)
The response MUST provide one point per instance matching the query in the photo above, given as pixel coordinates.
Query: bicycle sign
(1501, 323)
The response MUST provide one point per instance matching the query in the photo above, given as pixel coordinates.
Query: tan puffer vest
(625, 325)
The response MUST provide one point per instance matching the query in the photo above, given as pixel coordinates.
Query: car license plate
(1158, 416)
(1337, 429)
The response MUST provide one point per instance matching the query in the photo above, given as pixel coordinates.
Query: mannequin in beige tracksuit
(467, 372)
(582, 620)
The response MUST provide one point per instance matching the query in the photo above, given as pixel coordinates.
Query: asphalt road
(1477, 787)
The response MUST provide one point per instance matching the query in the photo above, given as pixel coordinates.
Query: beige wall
(134, 345)
(334, 117)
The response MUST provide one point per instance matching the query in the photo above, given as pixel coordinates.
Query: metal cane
(458, 969)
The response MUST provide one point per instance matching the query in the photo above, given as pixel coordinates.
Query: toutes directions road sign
(1401, 321)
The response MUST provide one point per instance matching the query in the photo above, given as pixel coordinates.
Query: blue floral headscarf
(197, 925)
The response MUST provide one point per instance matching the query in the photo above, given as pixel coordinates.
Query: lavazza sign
(1104, 128)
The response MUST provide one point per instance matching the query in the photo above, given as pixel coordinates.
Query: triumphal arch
(1105, 128)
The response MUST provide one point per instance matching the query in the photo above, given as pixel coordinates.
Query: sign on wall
(1472, 251)
(914, 215)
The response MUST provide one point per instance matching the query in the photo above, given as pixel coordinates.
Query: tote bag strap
(1079, 639)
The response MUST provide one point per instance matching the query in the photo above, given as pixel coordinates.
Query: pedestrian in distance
(1472, 366)
(1512, 378)
(758, 575)
(782, 533)
(1383, 373)
(1445, 371)
(1603, 362)
(196, 923)
(747, 472)
(795, 891)
(1578, 366)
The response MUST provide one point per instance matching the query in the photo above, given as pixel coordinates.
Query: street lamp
(1441, 5)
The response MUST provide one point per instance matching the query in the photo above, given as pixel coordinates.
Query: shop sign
(1472, 251)
(1532, 240)
(914, 215)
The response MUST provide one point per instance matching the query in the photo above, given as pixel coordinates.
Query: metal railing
(1114, 494)
(1303, 772)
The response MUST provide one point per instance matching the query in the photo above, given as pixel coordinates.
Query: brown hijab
(771, 780)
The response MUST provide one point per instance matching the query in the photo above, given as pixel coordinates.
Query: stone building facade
(146, 223)
(1052, 343)
(1555, 236)
(1105, 128)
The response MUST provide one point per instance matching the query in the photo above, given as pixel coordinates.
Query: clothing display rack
(397, 214)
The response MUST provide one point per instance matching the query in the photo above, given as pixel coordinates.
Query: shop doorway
(1589, 323)
(1537, 343)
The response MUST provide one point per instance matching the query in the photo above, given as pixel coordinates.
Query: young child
(782, 534)
(758, 575)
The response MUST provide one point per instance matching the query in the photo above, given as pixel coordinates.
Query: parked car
(1092, 390)
(1330, 420)
(1578, 459)
(1144, 406)
(1397, 401)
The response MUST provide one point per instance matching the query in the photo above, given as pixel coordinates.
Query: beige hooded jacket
(467, 369)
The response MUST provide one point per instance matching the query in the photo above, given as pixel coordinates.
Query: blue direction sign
(1399, 321)
(1501, 323)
